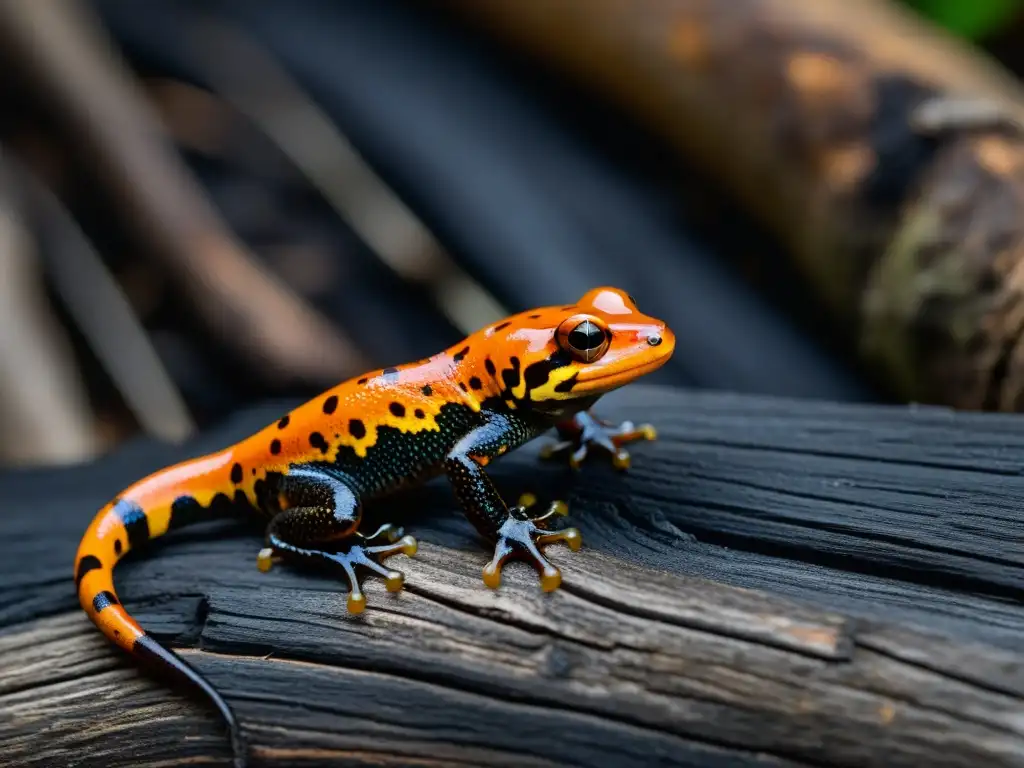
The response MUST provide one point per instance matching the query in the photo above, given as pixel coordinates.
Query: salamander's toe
(519, 537)
(584, 432)
(369, 558)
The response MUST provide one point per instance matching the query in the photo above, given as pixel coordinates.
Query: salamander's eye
(585, 338)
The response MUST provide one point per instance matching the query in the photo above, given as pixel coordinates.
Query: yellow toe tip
(394, 581)
(573, 539)
(492, 576)
(621, 460)
(550, 579)
(559, 508)
(409, 545)
(264, 560)
(356, 602)
(648, 432)
(527, 500)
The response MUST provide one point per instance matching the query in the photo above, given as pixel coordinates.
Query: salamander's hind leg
(323, 515)
(515, 534)
(584, 431)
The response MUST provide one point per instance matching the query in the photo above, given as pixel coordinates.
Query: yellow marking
(547, 390)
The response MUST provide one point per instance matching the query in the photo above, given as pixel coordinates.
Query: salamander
(308, 474)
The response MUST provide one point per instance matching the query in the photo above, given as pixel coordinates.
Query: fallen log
(885, 154)
(774, 583)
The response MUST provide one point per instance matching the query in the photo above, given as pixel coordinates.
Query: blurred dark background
(207, 204)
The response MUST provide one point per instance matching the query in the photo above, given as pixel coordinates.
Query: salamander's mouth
(603, 378)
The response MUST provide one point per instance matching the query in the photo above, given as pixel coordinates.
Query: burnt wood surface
(775, 582)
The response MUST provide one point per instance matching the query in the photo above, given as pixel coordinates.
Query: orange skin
(392, 428)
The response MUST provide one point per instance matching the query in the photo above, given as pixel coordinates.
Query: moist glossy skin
(308, 474)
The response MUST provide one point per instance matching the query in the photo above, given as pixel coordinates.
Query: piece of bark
(852, 597)
(452, 673)
(61, 48)
(911, 227)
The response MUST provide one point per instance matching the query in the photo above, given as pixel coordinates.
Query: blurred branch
(810, 113)
(103, 315)
(249, 79)
(67, 56)
(45, 415)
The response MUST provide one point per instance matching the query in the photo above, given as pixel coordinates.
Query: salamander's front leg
(325, 515)
(516, 535)
(583, 431)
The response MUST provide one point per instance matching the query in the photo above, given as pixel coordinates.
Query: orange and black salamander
(308, 474)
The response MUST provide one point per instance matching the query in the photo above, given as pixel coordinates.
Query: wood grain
(775, 583)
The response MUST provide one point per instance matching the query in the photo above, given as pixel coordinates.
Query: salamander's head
(559, 359)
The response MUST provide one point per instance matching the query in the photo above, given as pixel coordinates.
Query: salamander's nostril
(654, 339)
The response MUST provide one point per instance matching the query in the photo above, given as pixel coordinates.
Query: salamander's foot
(519, 537)
(357, 555)
(584, 431)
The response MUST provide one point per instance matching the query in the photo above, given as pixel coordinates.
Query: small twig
(64, 51)
(104, 315)
(44, 410)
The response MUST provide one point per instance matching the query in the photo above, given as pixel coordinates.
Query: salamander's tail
(117, 528)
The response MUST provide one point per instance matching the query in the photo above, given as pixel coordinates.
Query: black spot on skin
(221, 505)
(317, 441)
(86, 564)
(397, 410)
(135, 522)
(275, 446)
(283, 422)
(536, 374)
(419, 413)
(502, 326)
(475, 383)
(534, 317)
(426, 390)
(511, 375)
(567, 385)
(236, 474)
(104, 600)
(463, 387)
(117, 633)
(391, 374)
(566, 309)
(254, 471)
(357, 428)
(489, 365)
(362, 380)
(185, 510)
(460, 354)
(118, 546)
(331, 404)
